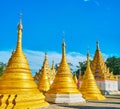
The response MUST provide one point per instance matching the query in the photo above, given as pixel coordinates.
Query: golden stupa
(107, 82)
(53, 72)
(47, 70)
(99, 68)
(89, 87)
(17, 87)
(43, 84)
(75, 78)
(64, 89)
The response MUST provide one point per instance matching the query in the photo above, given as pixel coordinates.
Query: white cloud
(86, 0)
(36, 58)
(105, 56)
(93, 1)
(5, 55)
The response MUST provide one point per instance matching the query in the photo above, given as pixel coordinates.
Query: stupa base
(94, 97)
(64, 98)
(31, 101)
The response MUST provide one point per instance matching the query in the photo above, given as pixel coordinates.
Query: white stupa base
(64, 98)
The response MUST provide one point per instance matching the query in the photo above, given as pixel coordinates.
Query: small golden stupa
(17, 87)
(89, 87)
(64, 89)
(53, 72)
(75, 78)
(43, 84)
(47, 68)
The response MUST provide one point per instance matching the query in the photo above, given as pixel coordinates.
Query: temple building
(49, 71)
(64, 89)
(17, 87)
(89, 87)
(107, 82)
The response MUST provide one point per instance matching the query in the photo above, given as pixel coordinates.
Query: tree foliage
(2, 67)
(82, 68)
(114, 64)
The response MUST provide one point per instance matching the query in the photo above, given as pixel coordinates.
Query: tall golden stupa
(44, 84)
(17, 87)
(106, 81)
(75, 78)
(89, 87)
(64, 89)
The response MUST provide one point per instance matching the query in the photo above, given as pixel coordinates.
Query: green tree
(2, 67)
(81, 68)
(114, 64)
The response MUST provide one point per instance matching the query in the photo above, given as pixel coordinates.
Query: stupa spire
(63, 88)
(46, 56)
(88, 59)
(20, 28)
(89, 87)
(63, 50)
(52, 64)
(97, 45)
(17, 86)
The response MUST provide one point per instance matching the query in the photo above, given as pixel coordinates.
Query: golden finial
(20, 27)
(13, 51)
(19, 42)
(63, 48)
(63, 35)
(63, 43)
(53, 64)
(21, 17)
(88, 58)
(97, 45)
(46, 56)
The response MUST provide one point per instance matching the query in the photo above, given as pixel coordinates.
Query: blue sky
(44, 21)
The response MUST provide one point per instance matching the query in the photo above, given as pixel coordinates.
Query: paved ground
(112, 102)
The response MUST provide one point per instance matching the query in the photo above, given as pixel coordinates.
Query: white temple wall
(119, 83)
(108, 86)
(101, 85)
(111, 85)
